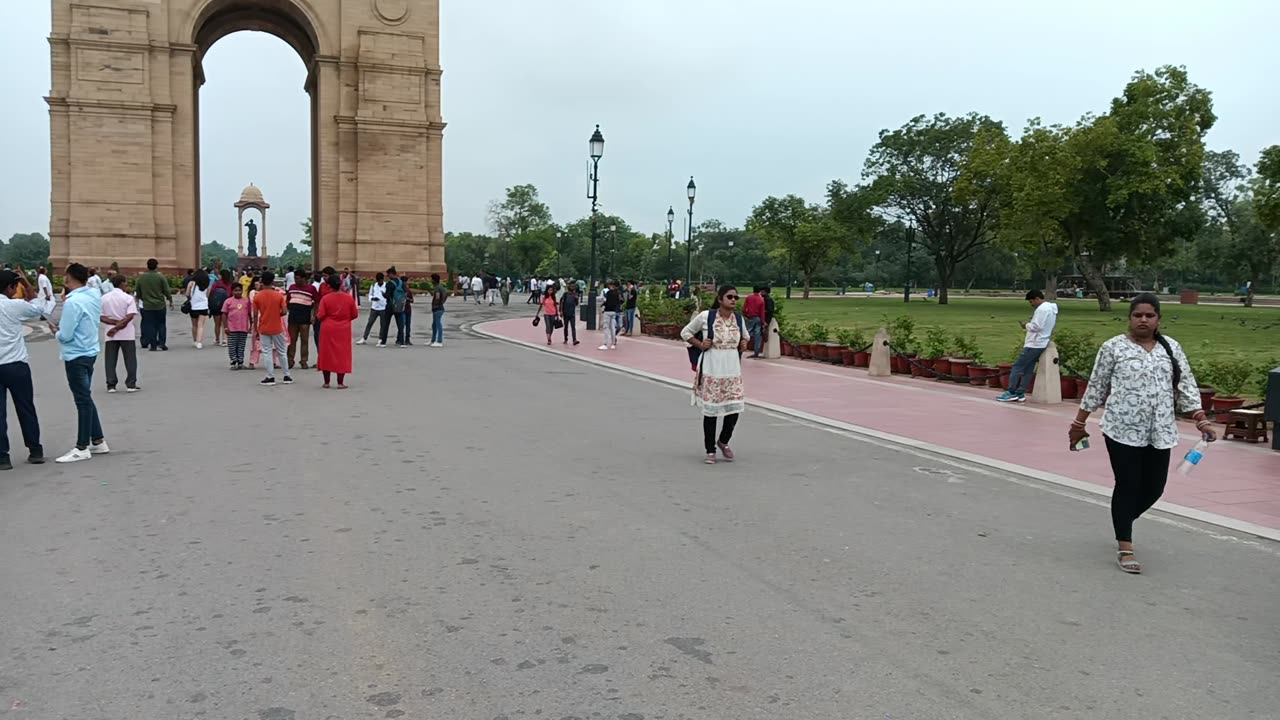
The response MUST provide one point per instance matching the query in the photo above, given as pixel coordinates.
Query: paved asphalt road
(489, 532)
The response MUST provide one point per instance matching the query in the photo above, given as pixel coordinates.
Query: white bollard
(880, 366)
(1048, 389)
(772, 342)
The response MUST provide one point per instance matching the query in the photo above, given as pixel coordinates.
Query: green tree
(922, 174)
(30, 250)
(306, 233)
(213, 251)
(467, 252)
(518, 213)
(777, 221)
(291, 255)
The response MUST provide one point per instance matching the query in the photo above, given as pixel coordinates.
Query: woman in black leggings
(1144, 379)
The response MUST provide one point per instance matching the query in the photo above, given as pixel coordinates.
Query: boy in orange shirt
(269, 309)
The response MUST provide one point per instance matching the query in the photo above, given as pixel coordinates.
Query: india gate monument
(124, 109)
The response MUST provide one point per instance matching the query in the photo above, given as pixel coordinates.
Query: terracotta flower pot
(1004, 369)
(1206, 397)
(960, 369)
(846, 357)
(862, 359)
(919, 368)
(1227, 403)
(1082, 385)
(978, 374)
(1068, 385)
(941, 367)
(898, 365)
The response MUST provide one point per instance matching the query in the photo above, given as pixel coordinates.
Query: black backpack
(217, 298)
(695, 354)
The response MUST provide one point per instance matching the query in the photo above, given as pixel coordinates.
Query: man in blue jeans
(1039, 330)
(438, 295)
(15, 373)
(78, 336)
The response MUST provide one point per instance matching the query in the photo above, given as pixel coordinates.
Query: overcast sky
(752, 97)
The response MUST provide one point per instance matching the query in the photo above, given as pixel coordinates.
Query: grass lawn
(1205, 331)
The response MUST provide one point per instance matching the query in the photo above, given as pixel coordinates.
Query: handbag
(186, 307)
(537, 319)
(558, 323)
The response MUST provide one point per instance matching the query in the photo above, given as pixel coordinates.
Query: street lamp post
(906, 290)
(596, 145)
(692, 191)
(613, 253)
(671, 217)
(559, 254)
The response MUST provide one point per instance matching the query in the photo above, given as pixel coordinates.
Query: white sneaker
(75, 455)
(361, 341)
(603, 347)
(132, 389)
(437, 344)
(380, 345)
(111, 390)
(199, 346)
(613, 347)
(99, 449)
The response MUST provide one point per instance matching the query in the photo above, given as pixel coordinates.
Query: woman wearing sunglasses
(719, 336)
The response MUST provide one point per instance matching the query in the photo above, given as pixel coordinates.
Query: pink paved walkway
(1237, 480)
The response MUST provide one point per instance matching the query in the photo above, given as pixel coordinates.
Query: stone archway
(124, 126)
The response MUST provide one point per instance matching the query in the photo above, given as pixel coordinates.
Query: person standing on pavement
(302, 299)
(721, 337)
(569, 311)
(1039, 330)
(219, 293)
(239, 324)
(632, 299)
(477, 287)
(549, 311)
(377, 305)
(1144, 379)
(153, 290)
(289, 277)
(78, 336)
(396, 299)
(612, 305)
(44, 290)
(439, 294)
(408, 310)
(753, 309)
(269, 311)
(198, 298)
(337, 311)
(118, 311)
(15, 372)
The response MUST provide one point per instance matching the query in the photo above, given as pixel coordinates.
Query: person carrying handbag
(548, 312)
(717, 339)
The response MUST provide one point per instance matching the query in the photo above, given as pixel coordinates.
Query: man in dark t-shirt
(302, 299)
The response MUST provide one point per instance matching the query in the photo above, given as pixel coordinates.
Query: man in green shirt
(152, 289)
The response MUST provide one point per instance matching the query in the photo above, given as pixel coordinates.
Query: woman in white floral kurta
(1144, 379)
(718, 386)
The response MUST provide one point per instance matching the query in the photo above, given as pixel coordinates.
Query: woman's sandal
(1127, 563)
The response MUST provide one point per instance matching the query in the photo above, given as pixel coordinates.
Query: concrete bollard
(772, 342)
(880, 366)
(1048, 389)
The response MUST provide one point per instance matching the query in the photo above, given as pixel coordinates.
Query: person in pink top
(239, 315)
(549, 310)
(119, 308)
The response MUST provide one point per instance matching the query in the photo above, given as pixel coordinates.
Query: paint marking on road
(1007, 471)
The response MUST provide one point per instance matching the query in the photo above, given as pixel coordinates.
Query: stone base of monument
(246, 262)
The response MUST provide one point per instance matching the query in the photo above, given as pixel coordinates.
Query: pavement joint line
(1240, 526)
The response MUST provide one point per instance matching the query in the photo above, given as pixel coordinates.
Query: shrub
(1261, 376)
(852, 338)
(902, 333)
(1229, 375)
(967, 347)
(1076, 351)
(816, 332)
(936, 343)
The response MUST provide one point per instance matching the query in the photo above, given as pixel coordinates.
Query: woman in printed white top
(720, 335)
(1144, 379)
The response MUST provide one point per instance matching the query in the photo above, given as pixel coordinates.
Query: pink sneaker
(711, 459)
(724, 450)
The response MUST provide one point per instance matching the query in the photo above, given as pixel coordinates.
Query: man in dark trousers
(569, 311)
(15, 373)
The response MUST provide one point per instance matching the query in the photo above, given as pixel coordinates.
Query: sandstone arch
(124, 117)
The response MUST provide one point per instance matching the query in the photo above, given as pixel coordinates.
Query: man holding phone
(1039, 330)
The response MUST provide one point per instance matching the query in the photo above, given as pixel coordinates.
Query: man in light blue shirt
(15, 373)
(77, 333)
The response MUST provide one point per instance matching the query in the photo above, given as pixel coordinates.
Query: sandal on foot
(711, 459)
(1127, 563)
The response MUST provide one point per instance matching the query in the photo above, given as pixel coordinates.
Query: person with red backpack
(717, 338)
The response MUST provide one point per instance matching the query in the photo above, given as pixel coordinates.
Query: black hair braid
(1177, 369)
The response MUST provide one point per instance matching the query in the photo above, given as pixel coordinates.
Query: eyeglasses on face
(730, 297)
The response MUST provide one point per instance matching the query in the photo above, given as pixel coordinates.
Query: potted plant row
(1228, 377)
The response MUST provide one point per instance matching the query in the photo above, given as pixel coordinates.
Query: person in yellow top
(245, 282)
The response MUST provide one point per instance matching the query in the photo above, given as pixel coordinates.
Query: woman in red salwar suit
(336, 311)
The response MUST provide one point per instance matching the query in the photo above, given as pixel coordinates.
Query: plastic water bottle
(1193, 457)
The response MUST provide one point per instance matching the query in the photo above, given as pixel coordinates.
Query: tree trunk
(1050, 286)
(806, 286)
(1097, 283)
(944, 279)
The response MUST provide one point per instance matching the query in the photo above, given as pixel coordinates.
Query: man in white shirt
(377, 305)
(15, 373)
(477, 287)
(1039, 330)
(44, 292)
(289, 277)
(94, 281)
(118, 312)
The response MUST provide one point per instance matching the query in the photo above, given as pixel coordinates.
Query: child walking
(238, 321)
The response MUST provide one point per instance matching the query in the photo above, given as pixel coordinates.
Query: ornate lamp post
(596, 145)
(692, 191)
(559, 254)
(906, 290)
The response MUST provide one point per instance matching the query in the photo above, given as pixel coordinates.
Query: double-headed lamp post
(671, 218)
(692, 191)
(596, 145)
